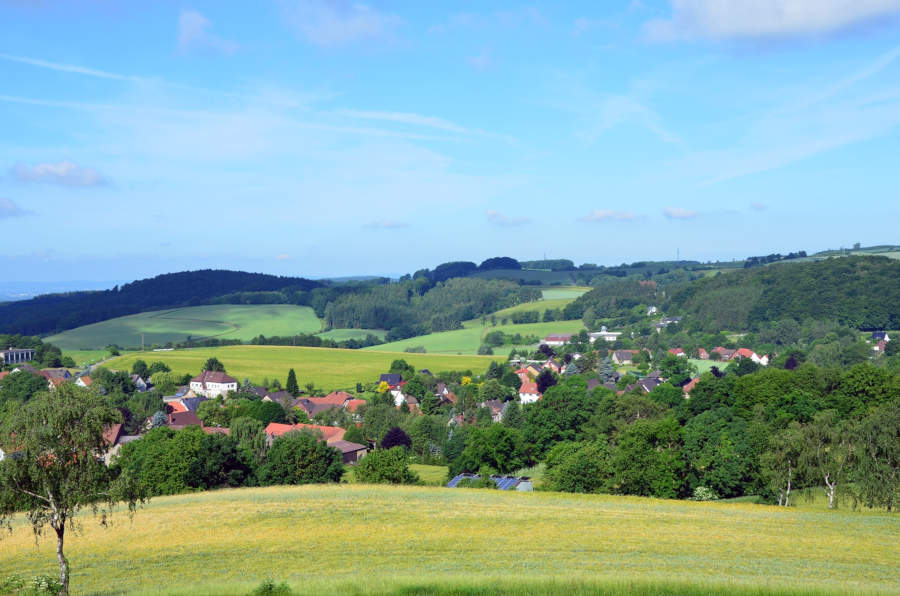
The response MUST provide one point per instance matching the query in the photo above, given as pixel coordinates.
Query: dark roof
(280, 396)
(649, 383)
(29, 368)
(425, 371)
(347, 446)
(210, 376)
(502, 482)
(192, 403)
(878, 334)
(260, 391)
(182, 419)
(391, 378)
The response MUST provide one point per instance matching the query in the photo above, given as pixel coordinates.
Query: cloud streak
(679, 213)
(751, 19)
(64, 173)
(498, 219)
(9, 209)
(91, 72)
(330, 23)
(598, 215)
(194, 34)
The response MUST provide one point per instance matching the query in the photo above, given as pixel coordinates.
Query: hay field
(361, 539)
(467, 340)
(225, 321)
(328, 368)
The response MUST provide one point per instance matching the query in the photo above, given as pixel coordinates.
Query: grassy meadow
(327, 368)
(226, 321)
(467, 340)
(345, 334)
(362, 539)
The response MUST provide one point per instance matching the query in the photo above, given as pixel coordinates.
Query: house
(551, 365)
(879, 347)
(27, 368)
(648, 384)
(523, 374)
(139, 383)
(652, 310)
(180, 420)
(328, 433)
(496, 407)
(16, 355)
(175, 406)
(677, 352)
(560, 339)
(352, 405)
(666, 321)
(623, 357)
(351, 452)
(259, 392)
(724, 353)
(213, 384)
(605, 335)
(880, 335)
(687, 387)
(528, 392)
(279, 397)
(533, 370)
(425, 371)
(84, 381)
(55, 373)
(192, 403)
(392, 379)
(702, 354)
(522, 484)
(748, 353)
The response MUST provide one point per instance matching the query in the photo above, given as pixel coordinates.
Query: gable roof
(86, 380)
(391, 378)
(690, 385)
(335, 397)
(192, 403)
(745, 353)
(178, 420)
(112, 433)
(529, 387)
(353, 404)
(346, 446)
(210, 376)
(329, 433)
(175, 406)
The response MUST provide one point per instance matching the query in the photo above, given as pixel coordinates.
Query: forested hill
(860, 292)
(57, 312)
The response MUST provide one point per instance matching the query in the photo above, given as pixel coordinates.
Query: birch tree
(55, 467)
(827, 452)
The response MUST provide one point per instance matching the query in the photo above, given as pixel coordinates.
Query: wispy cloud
(481, 61)
(608, 215)
(387, 224)
(407, 118)
(498, 219)
(91, 72)
(331, 23)
(194, 34)
(748, 19)
(758, 206)
(10, 209)
(282, 257)
(679, 213)
(64, 173)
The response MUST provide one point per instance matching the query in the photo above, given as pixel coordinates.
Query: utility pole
(142, 342)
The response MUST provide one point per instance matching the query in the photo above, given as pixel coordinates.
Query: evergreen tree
(291, 386)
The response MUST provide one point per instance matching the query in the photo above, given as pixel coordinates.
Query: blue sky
(318, 138)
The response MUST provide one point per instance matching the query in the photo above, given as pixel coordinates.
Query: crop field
(467, 340)
(83, 357)
(325, 367)
(539, 306)
(566, 293)
(363, 539)
(345, 334)
(175, 325)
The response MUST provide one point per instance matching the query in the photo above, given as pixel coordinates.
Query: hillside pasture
(345, 334)
(565, 293)
(467, 340)
(327, 368)
(225, 321)
(363, 539)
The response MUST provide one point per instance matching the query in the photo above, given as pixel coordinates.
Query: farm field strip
(327, 368)
(364, 537)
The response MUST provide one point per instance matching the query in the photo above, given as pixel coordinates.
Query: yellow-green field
(327, 368)
(345, 334)
(565, 292)
(467, 340)
(361, 539)
(225, 321)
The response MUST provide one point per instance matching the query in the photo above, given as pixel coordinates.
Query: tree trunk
(830, 491)
(63, 564)
(787, 495)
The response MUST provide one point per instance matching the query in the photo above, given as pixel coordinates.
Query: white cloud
(91, 72)
(64, 173)
(10, 209)
(406, 118)
(387, 224)
(608, 215)
(282, 257)
(612, 110)
(194, 34)
(331, 23)
(498, 219)
(758, 206)
(679, 213)
(748, 19)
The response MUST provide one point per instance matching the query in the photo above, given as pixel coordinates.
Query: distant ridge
(51, 313)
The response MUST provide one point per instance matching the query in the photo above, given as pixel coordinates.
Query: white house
(213, 384)
(528, 392)
(605, 335)
(558, 340)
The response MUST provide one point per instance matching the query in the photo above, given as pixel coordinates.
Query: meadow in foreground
(419, 540)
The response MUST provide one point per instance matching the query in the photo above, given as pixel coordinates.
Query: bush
(40, 584)
(386, 466)
(270, 588)
(704, 493)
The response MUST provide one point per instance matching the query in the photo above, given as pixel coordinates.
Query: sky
(330, 138)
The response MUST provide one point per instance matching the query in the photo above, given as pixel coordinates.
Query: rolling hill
(364, 539)
(226, 321)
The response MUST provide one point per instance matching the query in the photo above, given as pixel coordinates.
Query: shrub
(270, 588)
(386, 466)
(704, 493)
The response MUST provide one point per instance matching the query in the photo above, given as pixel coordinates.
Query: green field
(362, 539)
(345, 334)
(466, 341)
(328, 368)
(566, 293)
(175, 325)
(85, 357)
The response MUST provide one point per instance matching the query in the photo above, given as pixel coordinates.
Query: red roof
(329, 433)
(559, 337)
(3, 374)
(335, 397)
(745, 353)
(216, 430)
(87, 380)
(353, 404)
(112, 433)
(529, 387)
(676, 351)
(690, 385)
(173, 407)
